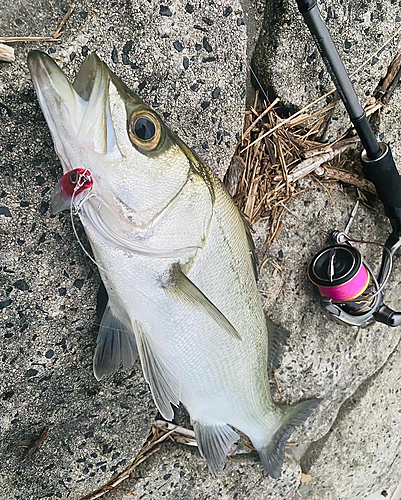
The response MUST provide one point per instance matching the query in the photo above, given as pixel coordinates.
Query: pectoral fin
(115, 345)
(160, 373)
(181, 288)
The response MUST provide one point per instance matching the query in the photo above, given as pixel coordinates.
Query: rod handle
(384, 175)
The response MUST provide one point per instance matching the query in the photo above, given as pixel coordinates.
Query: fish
(177, 261)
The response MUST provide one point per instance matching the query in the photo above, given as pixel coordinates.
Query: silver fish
(173, 253)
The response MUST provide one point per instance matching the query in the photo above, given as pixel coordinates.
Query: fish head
(137, 164)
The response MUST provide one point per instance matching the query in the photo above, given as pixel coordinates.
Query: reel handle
(388, 316)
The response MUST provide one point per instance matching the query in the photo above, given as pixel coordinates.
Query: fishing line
(81, 182)
(389, 265)
(111, 328)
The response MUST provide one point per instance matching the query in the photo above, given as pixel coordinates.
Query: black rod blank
(341, 80)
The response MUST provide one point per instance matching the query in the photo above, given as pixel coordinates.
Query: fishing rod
(351, 294)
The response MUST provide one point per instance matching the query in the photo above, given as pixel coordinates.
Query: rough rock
(370, 423)
(178, 471)
(288, 63)
(323, 358)
(188, 60)
(351, 456)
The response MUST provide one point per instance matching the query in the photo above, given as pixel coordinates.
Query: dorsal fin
(251, 244)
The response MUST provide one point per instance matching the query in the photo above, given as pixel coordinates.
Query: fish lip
(68, 107)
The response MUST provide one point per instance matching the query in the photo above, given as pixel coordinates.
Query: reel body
(350, 292)
(346, 285)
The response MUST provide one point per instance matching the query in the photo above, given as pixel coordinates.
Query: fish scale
(174, 255)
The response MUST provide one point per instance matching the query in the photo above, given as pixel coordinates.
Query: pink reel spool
(339, 273)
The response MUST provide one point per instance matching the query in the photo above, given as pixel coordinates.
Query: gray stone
(361, 454)
(179, 472)
(48, 327)
(322, 358)
(138, 43)
(288, 63)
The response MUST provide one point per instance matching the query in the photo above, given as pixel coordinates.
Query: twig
(161, 431)
(387, 86)
(181, 434)
(338, 174)
(288, 210)
(276, 381)
(14, 39)
(287, 120)
(6, 53)
(252, 126)
(35, 445)
(307, 166)
(56, 35)
(147, 450)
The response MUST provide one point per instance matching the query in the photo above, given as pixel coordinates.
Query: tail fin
(272, 453)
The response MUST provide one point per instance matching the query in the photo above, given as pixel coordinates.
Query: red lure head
(77, 180)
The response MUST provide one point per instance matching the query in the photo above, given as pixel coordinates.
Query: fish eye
(73, 177)
(145, 130)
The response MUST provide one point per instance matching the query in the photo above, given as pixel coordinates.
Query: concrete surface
(288, 63)
(189, 61)
(363, 448)
(178, 472)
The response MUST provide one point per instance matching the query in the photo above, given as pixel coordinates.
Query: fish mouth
(78, 114)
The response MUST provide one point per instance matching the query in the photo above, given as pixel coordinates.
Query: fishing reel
(350, 292)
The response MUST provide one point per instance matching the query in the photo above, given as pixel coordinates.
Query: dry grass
(274, 153)
(273, 163)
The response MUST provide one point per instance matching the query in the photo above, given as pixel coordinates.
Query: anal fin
(214, 441)
(160, 373)
(272, 453)
(115, 345)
